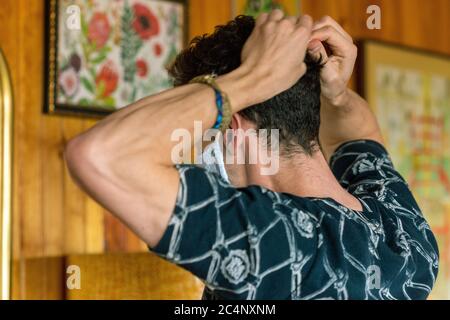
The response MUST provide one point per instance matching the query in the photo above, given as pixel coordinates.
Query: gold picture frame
(6, 120)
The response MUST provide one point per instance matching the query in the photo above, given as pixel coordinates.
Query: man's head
(295, 112)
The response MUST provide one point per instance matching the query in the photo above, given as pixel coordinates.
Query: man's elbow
(79, 157)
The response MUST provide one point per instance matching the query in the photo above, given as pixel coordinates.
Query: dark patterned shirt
(253, 243)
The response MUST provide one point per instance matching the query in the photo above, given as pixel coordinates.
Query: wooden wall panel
(414, 23)
(38, 278)
(132, 276)
(74, 201)
(206, 14)
(52, 193)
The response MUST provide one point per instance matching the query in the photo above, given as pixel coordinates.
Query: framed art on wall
(103, 55)
(409, 91)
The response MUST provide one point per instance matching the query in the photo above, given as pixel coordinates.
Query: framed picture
(409, 91)
(255, 7)
(102, 55)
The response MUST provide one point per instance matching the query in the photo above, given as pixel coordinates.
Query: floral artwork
(119, 53)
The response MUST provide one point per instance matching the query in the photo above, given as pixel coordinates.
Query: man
(350, 229)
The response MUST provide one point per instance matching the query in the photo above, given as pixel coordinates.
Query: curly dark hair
(295, 112)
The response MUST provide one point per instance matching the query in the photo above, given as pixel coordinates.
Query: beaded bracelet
(222, 102)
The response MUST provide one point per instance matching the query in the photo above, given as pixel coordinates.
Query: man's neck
(304, 176)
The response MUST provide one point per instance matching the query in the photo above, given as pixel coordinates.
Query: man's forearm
(347, 118)
(146, 126)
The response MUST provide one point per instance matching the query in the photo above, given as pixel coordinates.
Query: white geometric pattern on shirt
(239, 264)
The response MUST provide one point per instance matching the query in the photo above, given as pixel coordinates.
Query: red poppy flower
(157, 49)
(145, 22)
(109, 76)
(142, 67)
(99, 29)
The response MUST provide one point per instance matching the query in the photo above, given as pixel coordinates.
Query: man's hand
(345, 116)
(338, 62)
(275, 51)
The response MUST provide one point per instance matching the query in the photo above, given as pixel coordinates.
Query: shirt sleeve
(233, 239)
(365, 168)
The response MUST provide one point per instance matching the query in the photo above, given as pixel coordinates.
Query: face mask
(212, 160)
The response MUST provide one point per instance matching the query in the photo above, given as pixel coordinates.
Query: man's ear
(239, 122)
(236, 121)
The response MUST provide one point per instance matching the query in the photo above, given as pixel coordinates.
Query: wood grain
(414, 23)
(132, 276)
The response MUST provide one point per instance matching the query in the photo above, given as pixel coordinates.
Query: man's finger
(276, 15)
(317, 51)
(293, 20)
(305, 22)
(262, 18)
(327, 20)
(336, 41)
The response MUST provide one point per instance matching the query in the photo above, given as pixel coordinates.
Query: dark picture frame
(116, 56)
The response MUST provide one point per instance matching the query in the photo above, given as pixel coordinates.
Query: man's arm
(124, 162)
(345, 116)
(346, 120)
